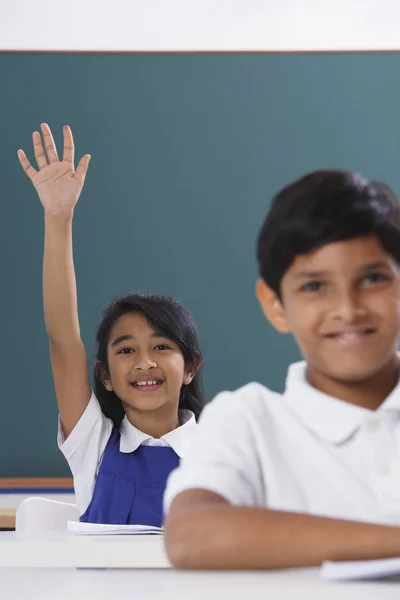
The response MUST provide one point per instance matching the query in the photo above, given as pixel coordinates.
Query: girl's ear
(190, 371)
(103, 375)
(272, 307)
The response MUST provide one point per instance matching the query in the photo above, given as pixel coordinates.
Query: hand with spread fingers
(57, 182)
(59, 186)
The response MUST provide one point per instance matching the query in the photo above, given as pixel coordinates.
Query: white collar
(177, 439)
(329, 417)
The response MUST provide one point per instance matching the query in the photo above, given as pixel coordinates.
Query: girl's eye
(372, 278)
(125, 351)
(162, 347)
(312, 286)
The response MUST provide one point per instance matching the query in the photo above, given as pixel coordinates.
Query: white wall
(199, 24)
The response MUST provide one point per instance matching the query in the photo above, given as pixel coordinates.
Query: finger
(69, 148)
(49, 144)
(82, 168)
(26, 165)
(38, 149)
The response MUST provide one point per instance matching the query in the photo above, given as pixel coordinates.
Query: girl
(124, 438)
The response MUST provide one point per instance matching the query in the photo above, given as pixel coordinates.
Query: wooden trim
(36, 482)
(7, 518)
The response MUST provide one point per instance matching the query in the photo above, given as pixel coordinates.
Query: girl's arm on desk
(203, 531)
(59, 186)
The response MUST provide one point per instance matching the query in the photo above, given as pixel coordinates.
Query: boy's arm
(215, 503)
(203, 531)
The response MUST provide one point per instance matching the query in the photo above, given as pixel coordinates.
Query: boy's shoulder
(250, 399)
(256, 399)
(255, 392)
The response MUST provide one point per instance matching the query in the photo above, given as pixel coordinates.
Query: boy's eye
(372, 278)
(312, 286)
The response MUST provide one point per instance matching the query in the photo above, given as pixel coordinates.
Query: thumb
(82, 168)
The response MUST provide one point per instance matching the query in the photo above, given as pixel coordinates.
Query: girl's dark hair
(170, 319)
(321, 208)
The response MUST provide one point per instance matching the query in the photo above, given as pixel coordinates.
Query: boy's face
(342, 304)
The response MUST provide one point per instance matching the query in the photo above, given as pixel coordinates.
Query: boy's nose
(349, 307)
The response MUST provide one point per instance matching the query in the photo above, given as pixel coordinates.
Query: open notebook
(102, 529)
(363, 569)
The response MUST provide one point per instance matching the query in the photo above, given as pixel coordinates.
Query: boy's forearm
(225, 537)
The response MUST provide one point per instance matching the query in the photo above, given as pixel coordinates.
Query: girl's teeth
(146, 383)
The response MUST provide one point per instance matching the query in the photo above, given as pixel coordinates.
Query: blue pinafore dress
(129, 487)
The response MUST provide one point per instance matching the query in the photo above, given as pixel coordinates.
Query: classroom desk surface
(169, 584)
(66, 550)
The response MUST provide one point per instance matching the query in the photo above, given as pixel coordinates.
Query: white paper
(105, 529)
(366, 569)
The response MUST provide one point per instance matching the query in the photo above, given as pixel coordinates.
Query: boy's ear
(272, 307)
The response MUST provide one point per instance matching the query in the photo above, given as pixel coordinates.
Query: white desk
(138, 570)
(169, 584)
(68, 550)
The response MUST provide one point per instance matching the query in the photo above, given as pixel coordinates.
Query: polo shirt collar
(330, 418)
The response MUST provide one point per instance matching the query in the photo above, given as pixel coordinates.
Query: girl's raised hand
(56, 182)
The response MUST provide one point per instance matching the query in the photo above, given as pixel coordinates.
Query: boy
(277, 481)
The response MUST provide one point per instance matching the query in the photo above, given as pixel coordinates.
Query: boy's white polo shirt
(302, 451)
(84, 447)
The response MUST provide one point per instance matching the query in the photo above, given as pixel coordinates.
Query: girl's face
(146, 370)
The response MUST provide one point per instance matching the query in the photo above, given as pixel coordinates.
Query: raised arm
(59, 187)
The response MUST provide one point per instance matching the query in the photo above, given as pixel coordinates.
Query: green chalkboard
(187, 151)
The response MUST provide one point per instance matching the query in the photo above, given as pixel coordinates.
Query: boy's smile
(351, 338)
(342, 304)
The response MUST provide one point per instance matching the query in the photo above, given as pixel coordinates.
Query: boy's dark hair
(321, 208)
(170, 319)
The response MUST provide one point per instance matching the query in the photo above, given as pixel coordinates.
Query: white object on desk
(13, 499)
(37, 514)
(63, 549)
(105, 529)
(362, 569)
